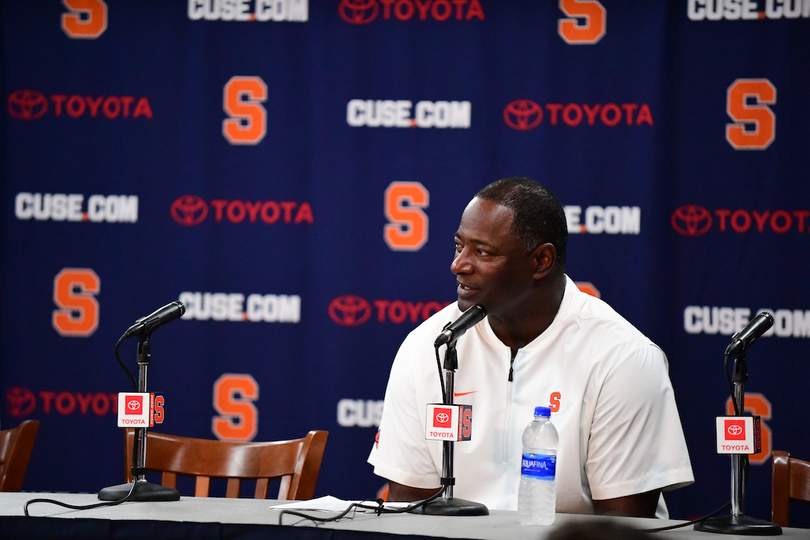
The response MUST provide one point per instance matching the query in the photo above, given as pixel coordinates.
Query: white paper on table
(328, 504)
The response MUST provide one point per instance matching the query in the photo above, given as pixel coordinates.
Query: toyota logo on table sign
(134, 405)
(349, 310)
(691, 220)
(27, 104)
(441, 418)
(523, 114)
(189, 210)
(735, 430)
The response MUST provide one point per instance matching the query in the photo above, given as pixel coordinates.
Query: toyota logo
(27, 104)
(20, 402)
(523, 114)
(442, 418)
(134, 404)
(189, 210)
(735, 430)
(358, 11)
(691, 220)
(349, 310)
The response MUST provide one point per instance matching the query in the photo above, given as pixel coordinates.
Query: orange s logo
(234, 395)
(594, 27)
(758, 405)
(466, 423)
(87, 18)
(159, 413)
(407, 228)
(588, 288)
(554, 401)
(758, 115)
(74, 291)
(242, 100)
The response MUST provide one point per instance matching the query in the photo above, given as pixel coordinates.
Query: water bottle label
(539, 466)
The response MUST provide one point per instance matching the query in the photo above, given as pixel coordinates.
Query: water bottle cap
(542, 411)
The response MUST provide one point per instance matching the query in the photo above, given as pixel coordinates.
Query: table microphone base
(452, 507)
(742, 525)
(144, 491)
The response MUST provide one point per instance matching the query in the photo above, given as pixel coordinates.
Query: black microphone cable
(123, 366)
(726, 357)
(687, 523)
(737, 412)
(129, 495)
(378, 509)
(745, 460)
(441, 380)
(125, 498)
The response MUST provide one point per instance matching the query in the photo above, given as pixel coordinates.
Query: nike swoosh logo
(459, 394)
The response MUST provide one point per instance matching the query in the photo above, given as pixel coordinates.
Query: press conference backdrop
(294, 173)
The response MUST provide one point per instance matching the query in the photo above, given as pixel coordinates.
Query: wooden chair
(791, 480)
(295, 462)
(15, 449)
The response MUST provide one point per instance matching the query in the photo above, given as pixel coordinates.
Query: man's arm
(640, 505)
(402, 493)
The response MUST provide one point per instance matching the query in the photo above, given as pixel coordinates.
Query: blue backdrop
(294, 172)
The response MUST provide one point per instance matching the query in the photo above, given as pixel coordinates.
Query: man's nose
(461, 263)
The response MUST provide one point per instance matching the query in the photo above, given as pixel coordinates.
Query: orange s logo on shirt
(554, 401)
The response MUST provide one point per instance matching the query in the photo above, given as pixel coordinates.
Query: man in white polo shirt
(543, 342)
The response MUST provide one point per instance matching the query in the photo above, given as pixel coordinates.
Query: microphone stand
(738, 522)
(447, 505)
(141, 490)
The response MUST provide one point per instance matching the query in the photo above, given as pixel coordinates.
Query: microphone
(156, 319)
(456, 329)
(746, 337)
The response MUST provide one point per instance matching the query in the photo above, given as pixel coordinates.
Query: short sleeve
(400, 452)
(636, 441)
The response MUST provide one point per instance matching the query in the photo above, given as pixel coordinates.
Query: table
(216, 518)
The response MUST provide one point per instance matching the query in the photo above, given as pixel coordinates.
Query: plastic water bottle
(537, 496)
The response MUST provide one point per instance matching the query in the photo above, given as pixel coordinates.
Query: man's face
(490, 265)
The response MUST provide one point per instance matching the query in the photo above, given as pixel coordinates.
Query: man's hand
(640, 505)
(401, 493)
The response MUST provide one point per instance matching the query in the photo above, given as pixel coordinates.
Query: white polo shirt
(607, 384)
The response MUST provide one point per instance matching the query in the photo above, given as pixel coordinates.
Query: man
(543, 342)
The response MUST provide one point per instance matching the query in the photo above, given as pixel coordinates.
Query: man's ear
(544, 258)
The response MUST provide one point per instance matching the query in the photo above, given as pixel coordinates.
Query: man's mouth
(464, 289)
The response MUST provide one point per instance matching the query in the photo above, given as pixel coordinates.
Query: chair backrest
(791, 480)
(15, 449)
(295, 462)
